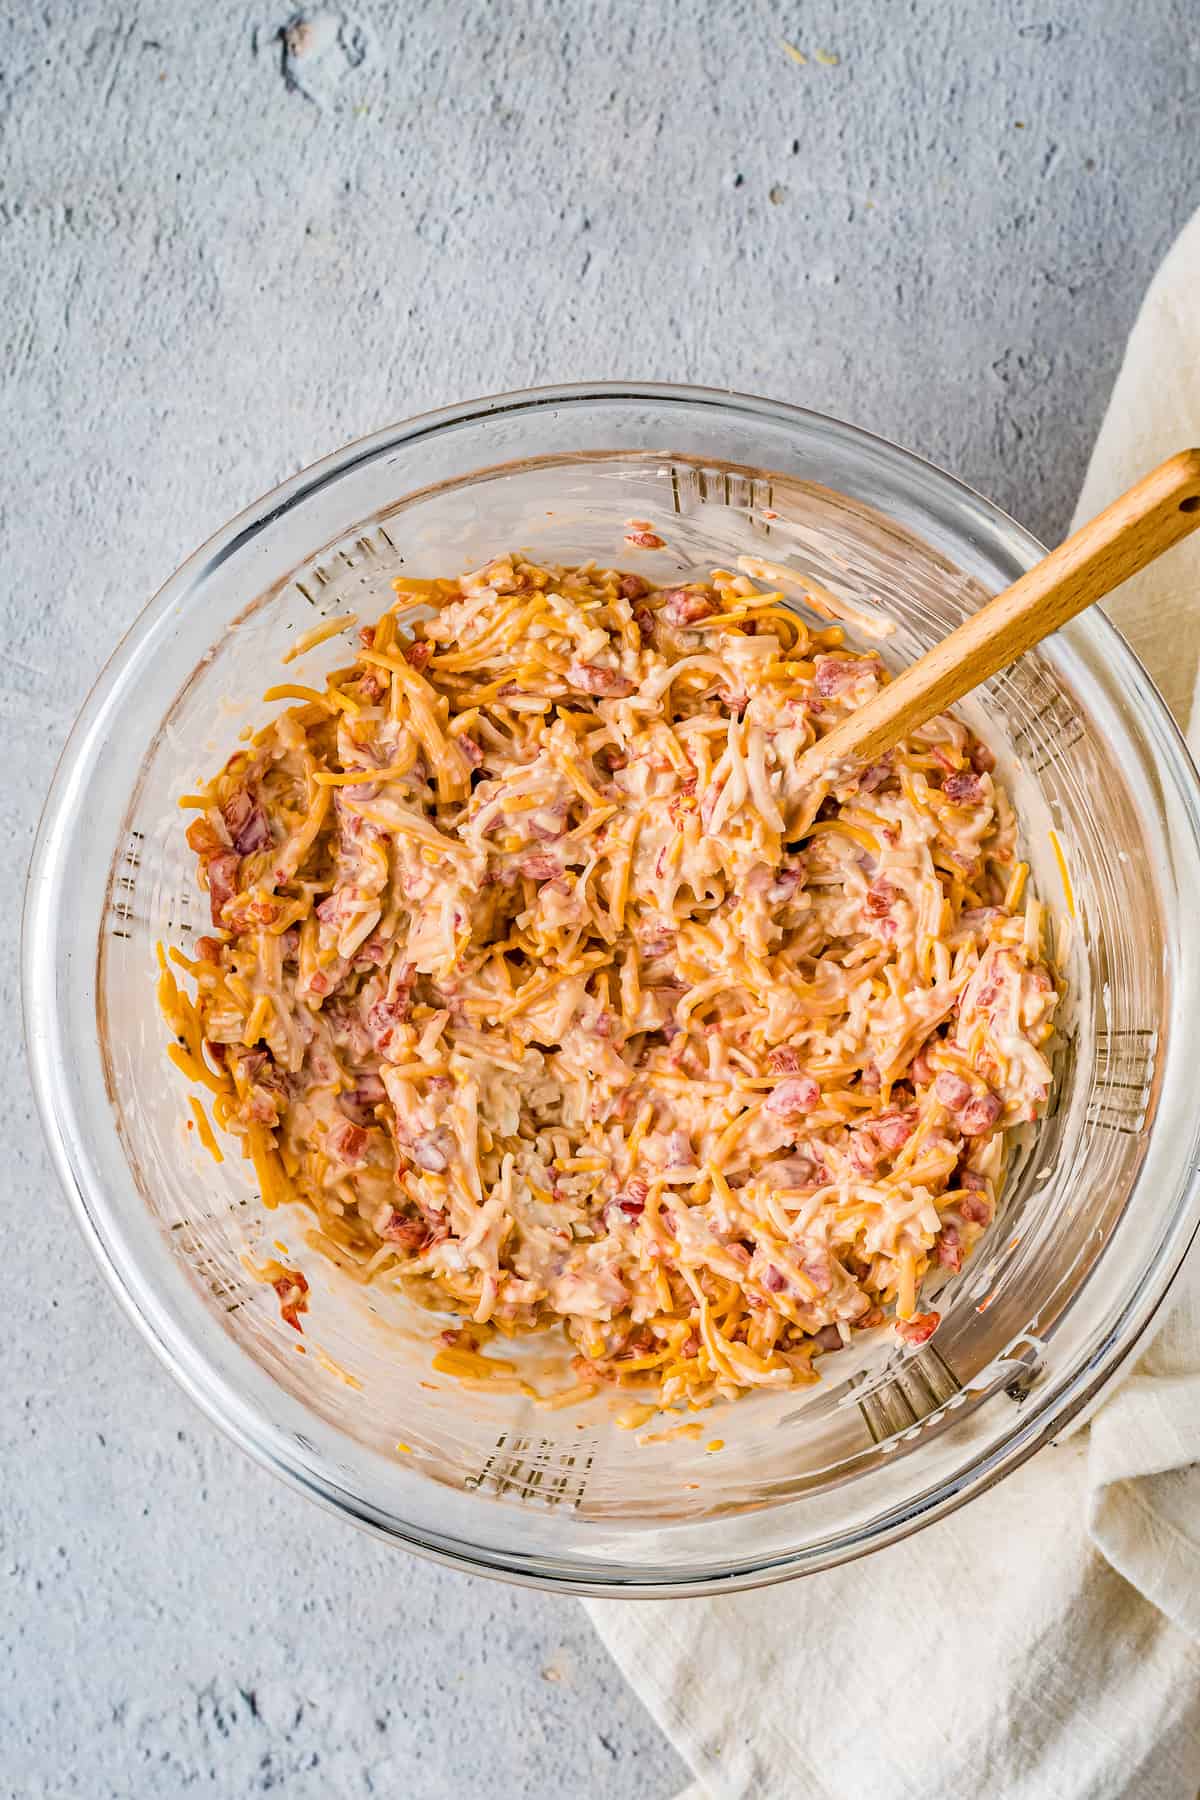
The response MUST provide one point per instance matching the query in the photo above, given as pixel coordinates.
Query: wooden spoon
(1157, 512)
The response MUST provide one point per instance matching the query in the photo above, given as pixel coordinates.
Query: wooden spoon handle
(1157, 512)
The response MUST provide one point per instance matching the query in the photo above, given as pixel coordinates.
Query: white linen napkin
(1044, 1642)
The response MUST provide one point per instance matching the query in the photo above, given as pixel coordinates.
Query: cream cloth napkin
(1044, 1642)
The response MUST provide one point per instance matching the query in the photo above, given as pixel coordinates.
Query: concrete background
(221, 257)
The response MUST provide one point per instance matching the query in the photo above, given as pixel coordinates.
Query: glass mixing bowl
(1102, 1200)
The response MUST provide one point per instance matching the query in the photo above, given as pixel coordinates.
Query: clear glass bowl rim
(218, 1399)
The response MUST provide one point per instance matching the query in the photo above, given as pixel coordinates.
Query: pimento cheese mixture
(536, 978)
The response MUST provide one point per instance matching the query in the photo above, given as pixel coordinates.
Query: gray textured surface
(218, 261)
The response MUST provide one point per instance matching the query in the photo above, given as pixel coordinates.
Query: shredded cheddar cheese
(204, 1130)
(537, 978)
(320, 634)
